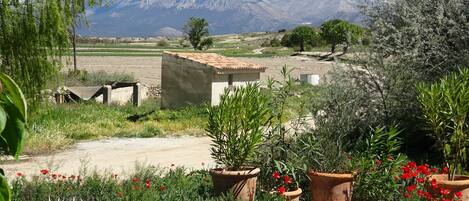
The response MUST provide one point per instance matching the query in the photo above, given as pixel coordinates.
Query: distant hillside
(149, 17)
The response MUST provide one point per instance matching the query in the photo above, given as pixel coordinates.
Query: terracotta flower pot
(331, 187)
(241, 183)
(460, 184)
(293, 195)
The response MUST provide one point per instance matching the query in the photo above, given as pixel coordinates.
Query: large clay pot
(331, 187)
(241, 183)
(459, 184)
(293, 195)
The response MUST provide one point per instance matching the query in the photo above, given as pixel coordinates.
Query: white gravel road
(120, 156)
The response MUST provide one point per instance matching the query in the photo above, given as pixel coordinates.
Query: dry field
(148, 69)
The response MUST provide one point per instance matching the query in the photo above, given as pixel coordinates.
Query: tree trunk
(302, 47)
(333, 48)
(345, 49)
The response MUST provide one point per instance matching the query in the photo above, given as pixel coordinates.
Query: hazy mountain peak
(145, 17)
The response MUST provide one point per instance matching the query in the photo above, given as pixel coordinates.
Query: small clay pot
(241, 183)
(293, 195)
(331, 187)
(459, 184)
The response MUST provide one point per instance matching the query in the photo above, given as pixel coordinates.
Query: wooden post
(59, 98)
(107, 99)
(136, 95)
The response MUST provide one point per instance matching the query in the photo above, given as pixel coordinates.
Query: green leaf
(3, 119)
(5, 193)
(14, 129)
(14, 93)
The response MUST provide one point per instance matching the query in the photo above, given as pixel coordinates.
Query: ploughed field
(147, 69)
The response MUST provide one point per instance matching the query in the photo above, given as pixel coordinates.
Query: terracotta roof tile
(219, 62)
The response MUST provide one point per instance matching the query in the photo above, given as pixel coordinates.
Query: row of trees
(332, 32)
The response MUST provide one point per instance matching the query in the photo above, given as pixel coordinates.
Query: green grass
(56, 127)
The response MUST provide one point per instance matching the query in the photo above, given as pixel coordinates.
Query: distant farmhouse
(197, 78)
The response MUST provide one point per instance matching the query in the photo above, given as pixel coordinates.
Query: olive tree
(196, 31)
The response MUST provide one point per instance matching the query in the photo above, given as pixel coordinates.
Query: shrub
(85, 78)
(445, 105)
(235, 140)
(162, 43)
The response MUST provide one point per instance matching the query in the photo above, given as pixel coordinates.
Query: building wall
(184, 82)
(220, 82)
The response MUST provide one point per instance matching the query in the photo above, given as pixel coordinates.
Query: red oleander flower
(406, 176)
(136, 180)
(44, 171)
(412, 164)
(458, 194)
(444, 191)
(424, 169)
(281, 190)
(287, 179)
(407, 195)
(378, 162)
(420, 193)
(445, 199)
(19, 174)
(148, 184)
(444, 170)
(276, 175)
(434, 170)
(433, 184)
(411, 188)
(420, 180)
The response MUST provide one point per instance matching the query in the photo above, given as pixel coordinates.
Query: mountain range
(143, 18)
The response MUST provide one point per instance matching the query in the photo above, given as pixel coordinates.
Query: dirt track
(148, 69)
(120, 156)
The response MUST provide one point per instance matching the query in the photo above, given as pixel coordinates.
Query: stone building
(197, 78)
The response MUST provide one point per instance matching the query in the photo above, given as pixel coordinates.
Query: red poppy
(287, 179)
(54, 176)
(281, 190)
(44, 171)
(444, 191)
(148, 184)
(136, 180)
(276, 175)
(458, 194)
(72, 177)
(19, 174)
(162, 188)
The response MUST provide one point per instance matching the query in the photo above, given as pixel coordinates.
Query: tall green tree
(340, 32)
(196, 31)
(33, 38)
(302, 36)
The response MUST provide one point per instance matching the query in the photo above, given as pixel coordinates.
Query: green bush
(445, 105)
(236, 126)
